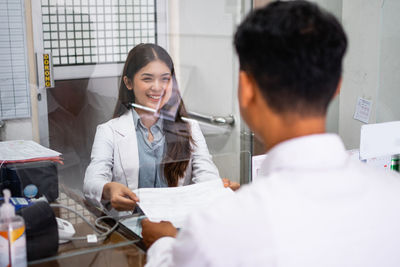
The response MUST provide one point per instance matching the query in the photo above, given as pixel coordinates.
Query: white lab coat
(313, 207)
(115, 158)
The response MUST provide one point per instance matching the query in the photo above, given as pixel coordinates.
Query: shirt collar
(137, 121)
(312, 152)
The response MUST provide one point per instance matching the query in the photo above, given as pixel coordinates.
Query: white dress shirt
(314, 206)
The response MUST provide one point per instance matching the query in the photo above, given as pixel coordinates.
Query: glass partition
(166, 116)
(88, 43)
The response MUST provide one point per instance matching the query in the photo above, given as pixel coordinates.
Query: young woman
(148, 143)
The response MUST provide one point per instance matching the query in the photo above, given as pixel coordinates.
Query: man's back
(315, 207)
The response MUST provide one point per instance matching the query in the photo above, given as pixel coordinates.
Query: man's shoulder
(235, 220)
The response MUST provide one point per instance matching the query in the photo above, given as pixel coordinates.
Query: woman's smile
(152, 85)
(155, 97)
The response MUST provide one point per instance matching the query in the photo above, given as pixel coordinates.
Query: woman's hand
(232, 185)
(120, 196)
(152, 231)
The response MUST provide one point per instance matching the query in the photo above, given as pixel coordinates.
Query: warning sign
(47, 71)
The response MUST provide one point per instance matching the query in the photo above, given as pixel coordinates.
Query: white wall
(332, 118)
(201, 45)
(333, 6)
(362, 22)
(371, 65)
(387, 108)
(20, 129)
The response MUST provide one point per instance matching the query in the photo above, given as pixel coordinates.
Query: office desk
(119, 249)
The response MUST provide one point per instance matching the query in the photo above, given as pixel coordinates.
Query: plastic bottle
(395, 163)
(12, 235)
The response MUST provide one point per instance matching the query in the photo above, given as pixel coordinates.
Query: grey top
(150, 153)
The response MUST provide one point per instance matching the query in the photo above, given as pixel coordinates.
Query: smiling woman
(147, 144)
(152, 85)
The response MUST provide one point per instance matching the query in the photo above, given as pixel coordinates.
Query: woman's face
(152, 85)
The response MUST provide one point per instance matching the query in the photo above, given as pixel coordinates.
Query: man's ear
(246, 89)
(128, 83)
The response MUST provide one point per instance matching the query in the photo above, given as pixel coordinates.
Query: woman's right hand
(120, 196)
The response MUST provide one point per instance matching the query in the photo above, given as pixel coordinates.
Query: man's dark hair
(293, 50)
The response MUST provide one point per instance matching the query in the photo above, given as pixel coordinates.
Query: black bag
(41, 230)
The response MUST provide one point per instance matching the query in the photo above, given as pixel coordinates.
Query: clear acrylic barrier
(77, 89)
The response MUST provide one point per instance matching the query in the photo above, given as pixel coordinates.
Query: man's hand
(120, 196)
(232, 185)
(151, 231)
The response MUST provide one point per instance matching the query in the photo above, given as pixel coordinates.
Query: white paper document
(363, 110)
(175, 203)
(23, 150)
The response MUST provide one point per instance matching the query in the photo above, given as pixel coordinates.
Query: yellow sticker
(46, 67)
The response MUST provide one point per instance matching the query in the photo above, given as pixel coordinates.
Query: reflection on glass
(88, 42)
(73, 114)
(147, 144)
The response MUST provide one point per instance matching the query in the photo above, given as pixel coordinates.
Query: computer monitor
(380, 139)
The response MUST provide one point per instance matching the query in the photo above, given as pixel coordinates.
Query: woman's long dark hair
(178, 137)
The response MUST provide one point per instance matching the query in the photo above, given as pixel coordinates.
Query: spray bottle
(12, 235)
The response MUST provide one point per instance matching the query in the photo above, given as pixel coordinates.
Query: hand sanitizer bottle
(12, 235)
